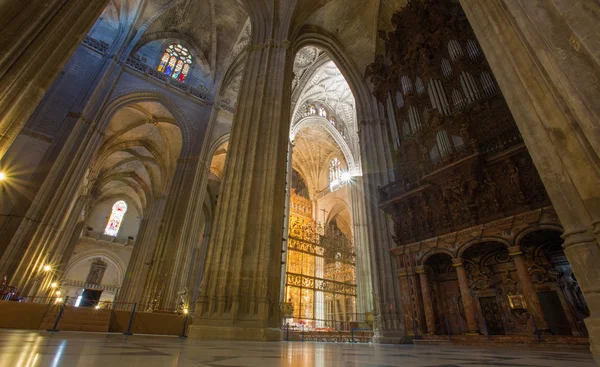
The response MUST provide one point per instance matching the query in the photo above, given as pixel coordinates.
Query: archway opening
(320, 282)
(131, 171)
(560, 296)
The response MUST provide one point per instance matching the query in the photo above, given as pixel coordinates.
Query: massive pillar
(241, 288)
(407, 314)
(467, 298)
(141, 261)
(364, 281)
(427, 301)
(41, 237)
(38, 37)
(531, 297)
(544, 54)
(377, 163)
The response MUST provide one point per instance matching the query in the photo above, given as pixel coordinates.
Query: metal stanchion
(537, 331)
(448, 329)
(131, 320)
(62, 309)
(416, 329)
(487, 330)
(302, 332)
(287, 332)
(184, 326)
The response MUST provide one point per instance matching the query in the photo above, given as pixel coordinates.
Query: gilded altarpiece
(320, 277)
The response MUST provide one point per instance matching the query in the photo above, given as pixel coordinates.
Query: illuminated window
(176, 62)
(322, 112)
(335, 172)
(116, 218)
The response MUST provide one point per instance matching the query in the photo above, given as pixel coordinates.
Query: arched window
(322, 112)
(176, 62)
(335, 172)
(116, 218)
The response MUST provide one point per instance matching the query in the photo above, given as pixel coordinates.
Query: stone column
(40, 238)
(543, 54)
(407, 314)
(141, 261)
(427, 301)
(364, 281)
(388, 298)
(467, 298)
(241, 288)
(38, 37)
(531, 297)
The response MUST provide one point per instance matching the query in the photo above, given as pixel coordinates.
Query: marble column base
(391, 337)
(204, 332)
(592, 324)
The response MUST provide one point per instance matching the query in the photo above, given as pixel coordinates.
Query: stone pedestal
(467, 298)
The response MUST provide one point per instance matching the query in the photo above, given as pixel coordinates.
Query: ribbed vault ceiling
(138, 154)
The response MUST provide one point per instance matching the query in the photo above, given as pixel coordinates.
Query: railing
(157, 75)
(94, 44)
(227, 108)
(503, 141)
(83, 284)
(98, 236)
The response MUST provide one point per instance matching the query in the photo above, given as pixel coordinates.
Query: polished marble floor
(29, 349)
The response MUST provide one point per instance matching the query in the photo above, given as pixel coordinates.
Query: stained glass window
(176, 62)
(322, 112)
(335, 172)
(116, 218)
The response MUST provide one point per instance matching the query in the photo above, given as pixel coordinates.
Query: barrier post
(62, 308)
(537, 331)
(415, 327)
(302, 332)
(184, 325)
(352, 333)
(287, 332)
(131, 320)
(487, 331)
(448, 329)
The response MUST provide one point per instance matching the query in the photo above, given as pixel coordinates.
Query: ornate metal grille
(320, 279)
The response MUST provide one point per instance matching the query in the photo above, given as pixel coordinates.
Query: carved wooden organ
(459, 157)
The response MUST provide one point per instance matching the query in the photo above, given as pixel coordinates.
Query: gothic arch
(184, 124)
(324, 123)
(112, 258)
(366, 106)
(174, 37)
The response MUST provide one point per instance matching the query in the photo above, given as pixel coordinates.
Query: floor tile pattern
(41, 349)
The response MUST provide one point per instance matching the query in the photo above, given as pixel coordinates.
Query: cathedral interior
(394, 172)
